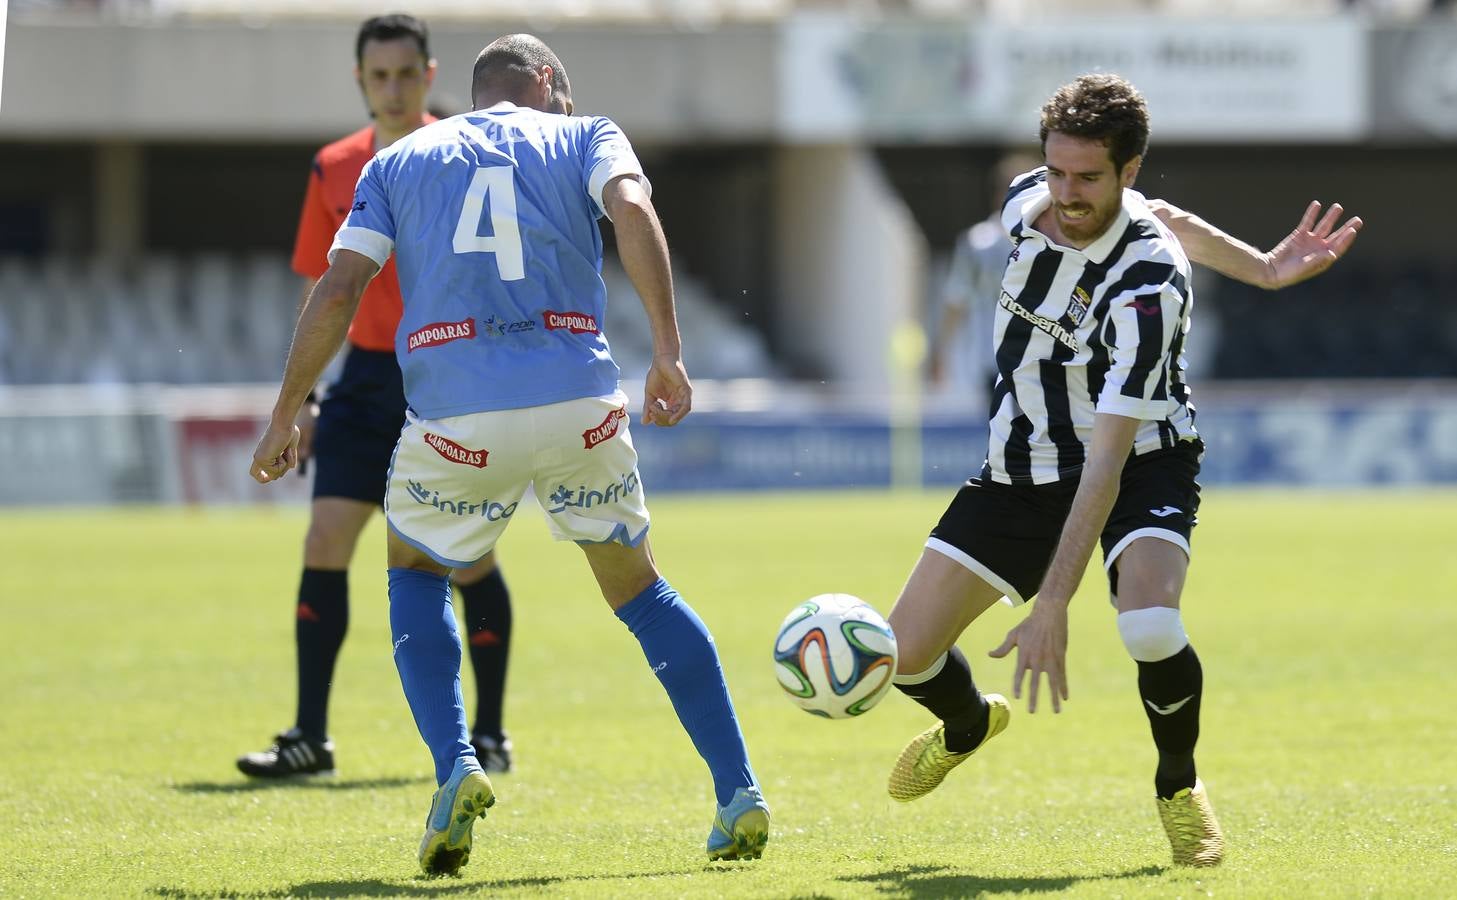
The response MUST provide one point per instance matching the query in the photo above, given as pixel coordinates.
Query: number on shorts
(493, 184)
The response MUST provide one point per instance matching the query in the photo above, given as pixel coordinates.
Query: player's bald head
(509, 68)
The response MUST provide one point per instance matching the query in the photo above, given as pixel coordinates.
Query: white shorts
(455, 483)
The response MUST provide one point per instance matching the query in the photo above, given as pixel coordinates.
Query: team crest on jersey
(574, 322)
(455, 452)
(1078, 305)
(437, 333)
(607, 430)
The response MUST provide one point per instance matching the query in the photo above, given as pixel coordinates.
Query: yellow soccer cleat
(1193, 831)
(926, 761)
(454, 809)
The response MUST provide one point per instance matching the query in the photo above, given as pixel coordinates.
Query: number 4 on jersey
(492, 187)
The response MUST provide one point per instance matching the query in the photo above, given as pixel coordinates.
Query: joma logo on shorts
(575, 322)
(608, 429)
(455, 452)
(437, 333)
(489, 510)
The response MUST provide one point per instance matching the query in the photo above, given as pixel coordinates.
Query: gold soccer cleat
(925, 761)
(1193, 831)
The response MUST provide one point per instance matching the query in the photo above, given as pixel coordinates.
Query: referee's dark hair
(1100, 107)
(392, 27)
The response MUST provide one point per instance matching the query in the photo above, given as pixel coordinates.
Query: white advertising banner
(1204, 81)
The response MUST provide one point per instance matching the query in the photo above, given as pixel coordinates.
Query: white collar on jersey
(1133, 206)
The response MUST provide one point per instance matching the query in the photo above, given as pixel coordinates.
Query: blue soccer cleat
(741, 829)
(464, 797)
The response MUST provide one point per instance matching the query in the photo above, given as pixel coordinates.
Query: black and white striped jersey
(1080, 332)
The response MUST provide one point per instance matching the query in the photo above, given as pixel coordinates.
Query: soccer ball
(835, 656)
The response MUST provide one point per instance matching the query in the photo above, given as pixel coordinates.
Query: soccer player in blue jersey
(492, 219)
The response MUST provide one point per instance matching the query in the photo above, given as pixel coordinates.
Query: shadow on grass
(926, 881)
(420, 886)
(319, 784)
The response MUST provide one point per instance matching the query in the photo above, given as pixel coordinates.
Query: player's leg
(354, 437)
(592, 493)
(681, 653)
(427, 653)
(446, 508)
(487, 608)
(1146, 546)
(992, 541)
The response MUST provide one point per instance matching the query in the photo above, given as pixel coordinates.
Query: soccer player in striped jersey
(492, 218)
(1092, 439)
(358, 423)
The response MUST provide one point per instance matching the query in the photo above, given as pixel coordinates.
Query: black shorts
(1007, 534)
(359, 422)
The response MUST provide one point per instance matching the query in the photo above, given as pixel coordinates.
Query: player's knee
(327, 547)
(1152, 634)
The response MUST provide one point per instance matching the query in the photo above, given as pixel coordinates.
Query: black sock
(488, 629)
(321, 619)
(952, 697)
(1171, 690)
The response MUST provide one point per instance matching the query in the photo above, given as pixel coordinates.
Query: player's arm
(321, 329)
(644, 253)
(1041, 638)
(1309, 250)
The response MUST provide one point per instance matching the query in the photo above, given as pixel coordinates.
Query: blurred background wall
(813, 164)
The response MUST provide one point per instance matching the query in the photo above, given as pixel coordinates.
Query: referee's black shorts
(359, 422)
(1007, 533)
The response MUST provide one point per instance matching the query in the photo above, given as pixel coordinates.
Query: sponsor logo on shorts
(489, 510)
(583, 498)
(455, 452)
(575, 322)
(607, 430)
(437, 333)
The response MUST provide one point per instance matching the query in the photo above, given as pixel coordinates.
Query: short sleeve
(369, 228)
(315, 228)
(608, 155)
(1139, 332)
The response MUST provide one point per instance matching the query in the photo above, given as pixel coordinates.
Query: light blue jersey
(492, 216)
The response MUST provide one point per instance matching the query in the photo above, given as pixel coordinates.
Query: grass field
(144, 649)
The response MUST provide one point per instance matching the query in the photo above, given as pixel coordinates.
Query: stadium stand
(215, 318)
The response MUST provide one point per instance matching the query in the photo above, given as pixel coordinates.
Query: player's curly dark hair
(1100, 107)
(391, 27)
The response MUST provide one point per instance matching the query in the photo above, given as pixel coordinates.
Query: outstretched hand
(669, 395)
(1312, 247)
(1041, 642)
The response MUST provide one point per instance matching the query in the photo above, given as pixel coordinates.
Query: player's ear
(1130, 172)
(431, 67)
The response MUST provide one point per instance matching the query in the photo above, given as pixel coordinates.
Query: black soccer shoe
(493, 755)
(292, 755)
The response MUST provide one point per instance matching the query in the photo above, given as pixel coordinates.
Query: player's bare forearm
(320, 332)
(1315, 244)
(644, 253)
(1212, 248)
(1097, 491)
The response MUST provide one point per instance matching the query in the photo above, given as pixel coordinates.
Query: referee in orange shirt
(351, 434)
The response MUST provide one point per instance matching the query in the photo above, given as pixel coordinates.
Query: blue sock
(427, 655)
(681, 653)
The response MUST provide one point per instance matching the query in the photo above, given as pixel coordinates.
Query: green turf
(143, 650)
